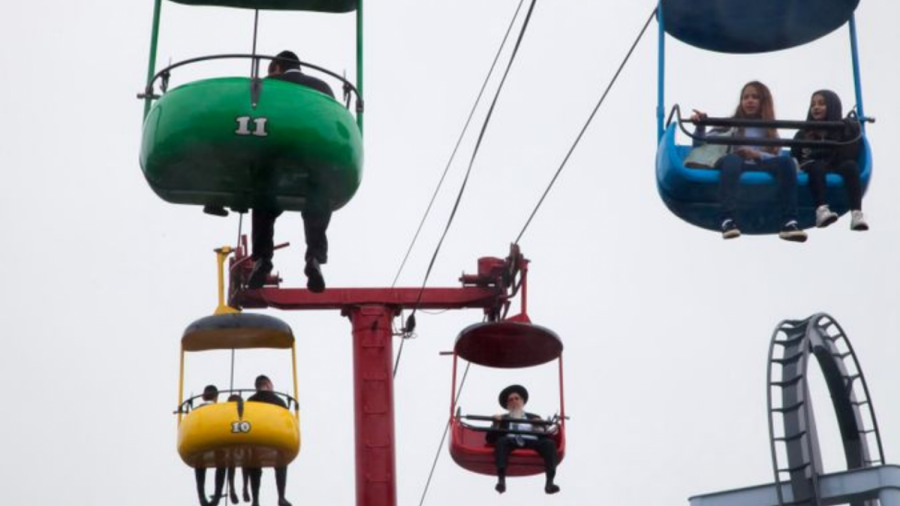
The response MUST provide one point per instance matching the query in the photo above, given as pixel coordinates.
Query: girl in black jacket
(825, 105)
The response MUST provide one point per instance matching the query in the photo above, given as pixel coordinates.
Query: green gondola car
(204, 143)
(284, 5)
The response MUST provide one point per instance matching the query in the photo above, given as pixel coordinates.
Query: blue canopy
(753, 26)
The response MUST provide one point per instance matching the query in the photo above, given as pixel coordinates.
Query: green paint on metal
(151, 66)
(205, 144)
(282, 5)
(359, 61)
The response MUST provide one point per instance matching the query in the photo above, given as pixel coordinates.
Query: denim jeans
(781, 168)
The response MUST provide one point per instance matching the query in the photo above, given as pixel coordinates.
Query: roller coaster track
(796, 457)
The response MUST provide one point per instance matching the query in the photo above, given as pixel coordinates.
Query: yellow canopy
(237, 331)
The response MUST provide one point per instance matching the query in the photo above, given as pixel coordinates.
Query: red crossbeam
(400, 298)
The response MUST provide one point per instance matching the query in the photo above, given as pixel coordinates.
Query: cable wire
(240, 227)
(444, 437)
(458, 142)
(453, 157)
(465, 182)
(587, 123)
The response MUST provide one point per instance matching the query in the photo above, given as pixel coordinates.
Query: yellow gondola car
(238, 433)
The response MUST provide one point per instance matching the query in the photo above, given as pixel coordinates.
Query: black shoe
(283, 502)
(314, 280)
(246, 496)
(791, 232)
(259, 274)
(551, 488)
(500, 487)
(729, 229)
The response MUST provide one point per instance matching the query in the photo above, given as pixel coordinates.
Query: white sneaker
(825, 216)
(858, 221)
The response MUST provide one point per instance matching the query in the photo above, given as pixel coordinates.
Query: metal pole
(294, 369)
(562, 390)
(857, 81)
(373, 391)
(453, 388)
(154, 37)
(661, 75)
(180, 384)
(359, 62)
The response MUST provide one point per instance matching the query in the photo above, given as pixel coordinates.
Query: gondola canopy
(739, 26)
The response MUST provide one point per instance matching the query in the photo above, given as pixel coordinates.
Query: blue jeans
(780, 167)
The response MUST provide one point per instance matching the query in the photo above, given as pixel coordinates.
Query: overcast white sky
(666, 327)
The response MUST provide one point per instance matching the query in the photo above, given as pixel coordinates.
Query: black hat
(519, 389)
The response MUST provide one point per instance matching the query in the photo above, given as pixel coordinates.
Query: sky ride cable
(587, 123)
(437, 189)
(437, 455)
(458, 142)
(411, 321)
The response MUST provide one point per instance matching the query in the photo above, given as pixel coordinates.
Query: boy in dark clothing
(265, 394)
(316, 216)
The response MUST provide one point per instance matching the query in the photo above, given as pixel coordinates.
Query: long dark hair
(834, 111)
(766, 111)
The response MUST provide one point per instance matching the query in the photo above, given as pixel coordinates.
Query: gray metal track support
(881, 483)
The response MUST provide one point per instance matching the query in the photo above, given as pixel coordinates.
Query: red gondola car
(508, 344)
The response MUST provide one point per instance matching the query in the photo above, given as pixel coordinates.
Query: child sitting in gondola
(756, 103)
(817, 162)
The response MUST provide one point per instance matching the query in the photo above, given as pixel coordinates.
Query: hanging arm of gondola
(756, 123)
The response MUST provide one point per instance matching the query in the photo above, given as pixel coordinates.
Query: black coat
(267, 397)
(297, 77)
(503, 424)
(829, 155)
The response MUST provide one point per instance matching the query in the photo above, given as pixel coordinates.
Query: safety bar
(756, 141)
(188, 405)
(164, 74)
(508, 431)
(524, 420)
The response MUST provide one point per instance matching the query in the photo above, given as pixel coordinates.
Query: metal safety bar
(165, 73)
(186, 406)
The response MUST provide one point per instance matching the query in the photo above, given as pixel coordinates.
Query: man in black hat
(316, 215)
(265, 393)
(513, 431)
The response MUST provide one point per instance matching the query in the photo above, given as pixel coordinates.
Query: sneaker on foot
(551, 488)
(500, 487)
(825, 216)
(314, 281)
(259, 274)
(791, 232)
(729, 229)
(283, 502)
(858, 221)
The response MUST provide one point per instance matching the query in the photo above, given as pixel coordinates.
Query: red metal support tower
(371, 312)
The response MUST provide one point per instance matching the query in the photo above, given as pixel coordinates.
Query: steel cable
(587, 123)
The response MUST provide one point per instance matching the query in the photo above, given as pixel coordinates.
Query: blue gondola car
(730, 26)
